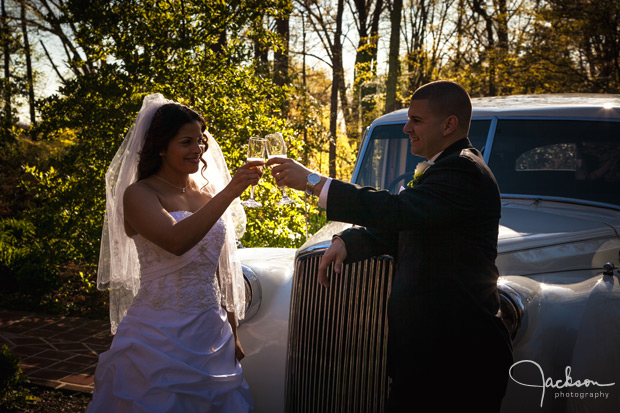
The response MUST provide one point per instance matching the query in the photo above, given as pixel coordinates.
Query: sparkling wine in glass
(277, 148)
(256, 152)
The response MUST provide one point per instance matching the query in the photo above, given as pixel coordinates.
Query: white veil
(119, 268)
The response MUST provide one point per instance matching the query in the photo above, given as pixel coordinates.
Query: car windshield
(575, 159)
(560, 158)
(388, 162)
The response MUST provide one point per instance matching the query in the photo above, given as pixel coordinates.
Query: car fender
(264, 335)
(564, 325)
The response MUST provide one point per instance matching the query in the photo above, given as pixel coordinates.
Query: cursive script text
(548, 382)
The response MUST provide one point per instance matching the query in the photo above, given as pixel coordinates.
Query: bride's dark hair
(165, 124)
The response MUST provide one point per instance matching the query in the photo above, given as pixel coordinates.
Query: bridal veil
(119, 268)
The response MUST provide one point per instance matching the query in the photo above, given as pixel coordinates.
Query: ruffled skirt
(166, 361)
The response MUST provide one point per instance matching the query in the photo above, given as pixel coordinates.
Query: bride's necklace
(182, 188)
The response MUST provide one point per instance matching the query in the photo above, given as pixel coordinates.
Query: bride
(168, 260)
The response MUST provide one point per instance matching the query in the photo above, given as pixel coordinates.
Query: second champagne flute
(277, 148)
(256, 152)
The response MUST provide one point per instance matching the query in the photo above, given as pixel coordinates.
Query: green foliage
(34, 279)
(10, 372)
(12, 394)
(62, 187)
(49, 234)
(284, 226)
(574, 47)
(22, 262)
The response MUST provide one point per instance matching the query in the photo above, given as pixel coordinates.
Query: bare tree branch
(62, 79)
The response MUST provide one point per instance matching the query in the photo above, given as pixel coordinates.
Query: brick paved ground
(55, 351)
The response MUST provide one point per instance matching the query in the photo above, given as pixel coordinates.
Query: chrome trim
(253, 293)
(488, 145)
(337, 349)
(574, 201)
(513, 303)
(313, 249)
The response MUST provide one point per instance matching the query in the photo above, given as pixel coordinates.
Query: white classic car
(557, 162)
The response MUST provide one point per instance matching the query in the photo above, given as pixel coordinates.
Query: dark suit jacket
(443, 236)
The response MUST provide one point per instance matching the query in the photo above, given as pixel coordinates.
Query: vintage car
(557, 162)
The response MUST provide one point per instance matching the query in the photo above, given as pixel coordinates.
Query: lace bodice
(182, 283)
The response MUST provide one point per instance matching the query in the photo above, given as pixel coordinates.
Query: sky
(48, 82)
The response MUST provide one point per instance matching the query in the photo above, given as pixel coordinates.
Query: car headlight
(253, 293)
(512, 309)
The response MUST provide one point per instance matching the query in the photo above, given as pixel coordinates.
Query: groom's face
(424, 128)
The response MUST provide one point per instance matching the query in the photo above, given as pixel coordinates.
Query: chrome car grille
(338, 337)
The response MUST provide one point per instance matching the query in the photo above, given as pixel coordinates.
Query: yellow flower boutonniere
(419, 170)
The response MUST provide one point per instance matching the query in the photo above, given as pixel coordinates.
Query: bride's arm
(145, 214)
(232, 319)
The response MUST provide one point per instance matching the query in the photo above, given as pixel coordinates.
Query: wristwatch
(311, 181)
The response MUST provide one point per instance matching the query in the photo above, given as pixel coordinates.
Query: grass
(47, 400)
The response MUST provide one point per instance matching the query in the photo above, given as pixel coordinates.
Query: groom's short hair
(446, 98)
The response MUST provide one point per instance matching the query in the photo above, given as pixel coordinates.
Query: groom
(447, 348)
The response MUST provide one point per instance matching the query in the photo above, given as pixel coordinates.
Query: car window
(387, 158)
(388, 162)
(478, 132)
(559, 158)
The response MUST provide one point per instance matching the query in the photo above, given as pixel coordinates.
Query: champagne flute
(277, 148)
(256, 152)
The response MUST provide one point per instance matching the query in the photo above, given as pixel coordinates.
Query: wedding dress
(174, 351)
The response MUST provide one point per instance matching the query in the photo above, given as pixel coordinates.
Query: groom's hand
(336, 254)
(289, 172)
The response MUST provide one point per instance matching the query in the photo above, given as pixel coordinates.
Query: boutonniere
(419, 170)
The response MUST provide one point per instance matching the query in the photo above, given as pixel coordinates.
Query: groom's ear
(450, 125)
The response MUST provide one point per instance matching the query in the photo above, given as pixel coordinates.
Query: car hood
(538, 236)
(529, 223)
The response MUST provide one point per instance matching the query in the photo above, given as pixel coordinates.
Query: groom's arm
(362, 243)
(353, 245)
(449, 191)
(450, 185)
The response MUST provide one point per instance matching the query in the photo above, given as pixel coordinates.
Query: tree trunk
(460, 30)
(336, 81)
(491, 52)
(303, 80)
(281, 62)
(222, 41)
(359, 68)
(416, 56)
(365, 62)
(7, 66)
(29, 77)
(393, 61)
(501, 55)
(261, 53)
(347, 112)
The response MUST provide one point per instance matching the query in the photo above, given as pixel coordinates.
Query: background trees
(318, 71)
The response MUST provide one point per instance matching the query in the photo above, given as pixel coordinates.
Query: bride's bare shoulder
(140, 200)
(140, 191)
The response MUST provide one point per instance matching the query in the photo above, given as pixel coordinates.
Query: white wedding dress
(174, 351)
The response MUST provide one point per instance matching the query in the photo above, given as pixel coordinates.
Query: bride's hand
(232, 320)
(239, 353)
(246, 175)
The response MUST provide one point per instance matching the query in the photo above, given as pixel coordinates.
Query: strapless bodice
(174, 351)
(185, 282)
